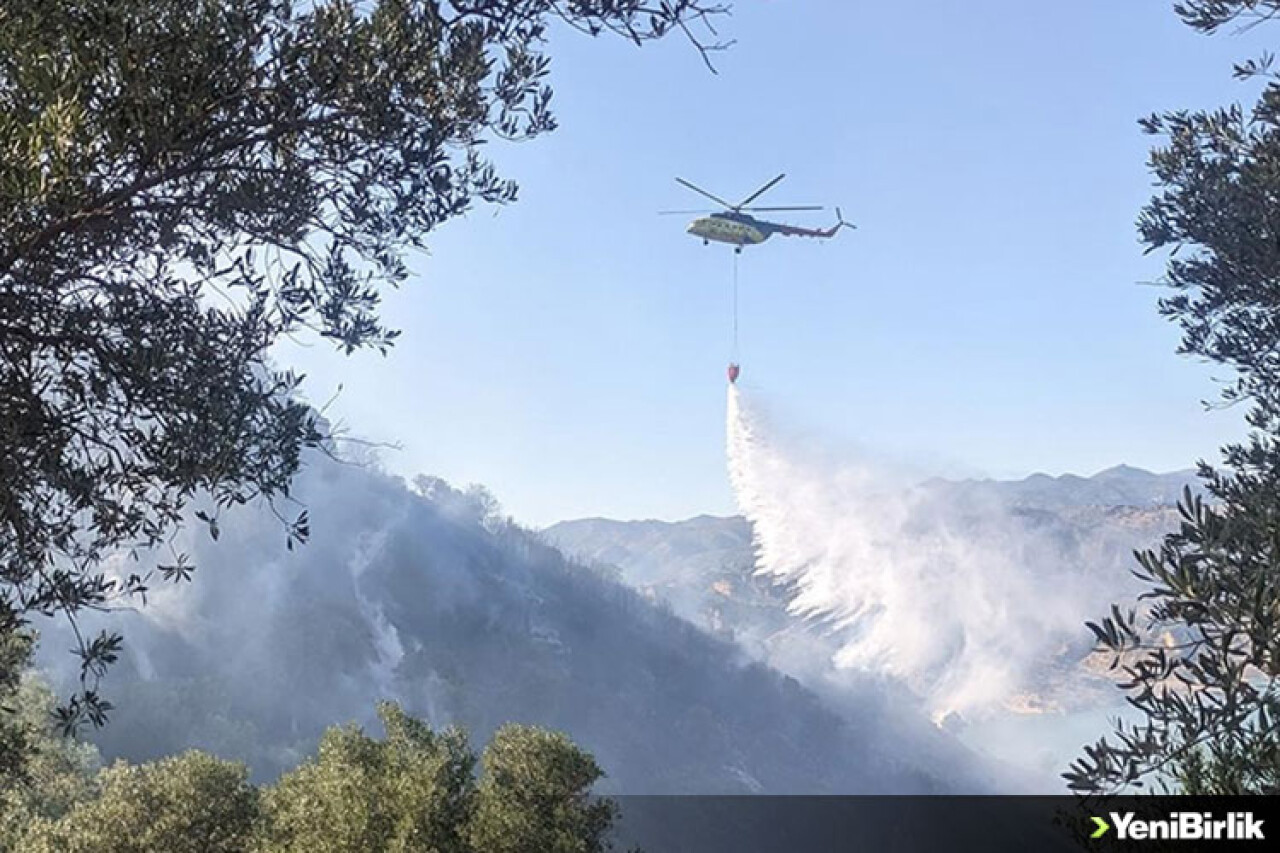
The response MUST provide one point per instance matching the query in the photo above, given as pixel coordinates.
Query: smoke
(962, 601)
(425, 596)
(266, 646)
(370, 548)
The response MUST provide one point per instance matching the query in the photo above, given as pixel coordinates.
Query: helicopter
(735, 226)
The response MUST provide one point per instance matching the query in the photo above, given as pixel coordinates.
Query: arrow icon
(1102, 825)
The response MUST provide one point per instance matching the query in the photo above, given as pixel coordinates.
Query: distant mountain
(703, 568)
(653, 553)
(1122, 485)
(429, 598)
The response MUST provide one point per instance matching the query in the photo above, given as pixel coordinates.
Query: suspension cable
(735, 306)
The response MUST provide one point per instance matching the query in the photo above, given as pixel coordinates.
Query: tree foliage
(534, 796)
(44, 772)
(1208, 16)
(191, 803)
(1201, 656)
(56, 771)
(183, 182)
(415, 791)
(15, 655)
(412, 791)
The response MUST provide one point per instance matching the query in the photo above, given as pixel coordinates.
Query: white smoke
(964, 604)
(369, 550)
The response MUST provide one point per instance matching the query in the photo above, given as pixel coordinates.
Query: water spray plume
(964, 604)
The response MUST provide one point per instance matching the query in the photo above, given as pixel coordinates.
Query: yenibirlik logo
(1183, 826)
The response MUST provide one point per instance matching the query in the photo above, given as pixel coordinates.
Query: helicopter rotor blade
(701, 191)
(755, 195)
(683, 212)
(799, 207)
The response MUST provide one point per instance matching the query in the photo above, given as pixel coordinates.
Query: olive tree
(191, 803)
(1200, 655)
(534, 796)
(412, 791)
(184, 182)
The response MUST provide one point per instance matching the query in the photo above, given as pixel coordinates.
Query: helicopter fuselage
(736, 229)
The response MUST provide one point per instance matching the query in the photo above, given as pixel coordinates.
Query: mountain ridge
(1129, 478)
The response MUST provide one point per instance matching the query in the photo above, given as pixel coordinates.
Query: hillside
(428, 597)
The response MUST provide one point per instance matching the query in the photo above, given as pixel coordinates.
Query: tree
(412, 791)
(416, 791)
(56, 771)
(192, 803)
(182, 182)
(15, 655)
(1202, 656)
(534, 796)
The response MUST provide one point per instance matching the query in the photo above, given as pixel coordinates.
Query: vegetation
(531, 799)
(416, 790)
(15, 655)
(182, 182)
(413, 791)
(1202, 656)
(191, 803)
(55, 772)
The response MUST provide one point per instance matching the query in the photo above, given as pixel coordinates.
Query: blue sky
(984, 320)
